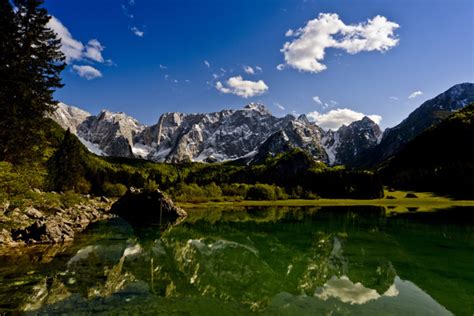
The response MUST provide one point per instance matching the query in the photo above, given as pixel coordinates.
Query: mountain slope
(428, 114)
(441, 159)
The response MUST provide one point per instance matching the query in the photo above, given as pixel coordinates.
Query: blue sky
(147, 57)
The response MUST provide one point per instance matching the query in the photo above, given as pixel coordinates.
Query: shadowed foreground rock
(147, 208)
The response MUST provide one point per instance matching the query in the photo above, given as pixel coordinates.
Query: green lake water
(270, 261)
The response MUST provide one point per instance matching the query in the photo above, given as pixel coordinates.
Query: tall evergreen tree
(30, 65)
(65, 166)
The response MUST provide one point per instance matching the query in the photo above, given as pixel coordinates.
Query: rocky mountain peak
(303, 118)
(69, 117)
(258, 107)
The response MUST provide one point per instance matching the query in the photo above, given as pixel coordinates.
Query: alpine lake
(359, 260)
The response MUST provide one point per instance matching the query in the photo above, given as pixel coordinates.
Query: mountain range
(252, 133)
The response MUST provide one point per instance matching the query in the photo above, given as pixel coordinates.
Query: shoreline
(424, 201)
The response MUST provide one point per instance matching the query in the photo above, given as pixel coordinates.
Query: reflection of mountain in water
(273, 260)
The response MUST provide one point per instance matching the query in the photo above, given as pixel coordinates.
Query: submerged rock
(147, 207)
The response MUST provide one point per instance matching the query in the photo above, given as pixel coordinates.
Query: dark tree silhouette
(66, 170)
(30, 65)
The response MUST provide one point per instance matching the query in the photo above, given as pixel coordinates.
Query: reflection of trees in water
(242, 257)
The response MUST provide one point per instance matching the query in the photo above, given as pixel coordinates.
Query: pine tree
(65, 166)
(30, 64)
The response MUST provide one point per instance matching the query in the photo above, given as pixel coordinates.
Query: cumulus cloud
(94, 51)
(242, 88)
(317, 99)
(249, 70)
(307, 50)
(208, 64)
(87, 72)
(338, 117)
(259, 68)
(135, 30)
(280, 67)
(393, 98)
(75, 50)
(71, 48)
(415, 94)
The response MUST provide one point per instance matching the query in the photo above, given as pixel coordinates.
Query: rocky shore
(54, 225)
(30, 225)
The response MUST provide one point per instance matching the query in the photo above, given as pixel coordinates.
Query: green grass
(424, 202)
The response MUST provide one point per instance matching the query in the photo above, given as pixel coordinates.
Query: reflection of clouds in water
(83, 254)
(349, 292)
(219, 245)
(349, 298)
(132, 250)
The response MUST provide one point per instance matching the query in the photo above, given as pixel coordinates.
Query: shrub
(235, 189)
(70, 198)
(150, 186)
(213, 191)
(114, 189)
(261, 192)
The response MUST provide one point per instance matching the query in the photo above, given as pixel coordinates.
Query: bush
(114, 189)
(261, 192)
(70, 198)
(150, 186)
(213, 191)
(235, 189)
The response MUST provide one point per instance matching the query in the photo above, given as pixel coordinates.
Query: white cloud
(71, 48)
(126, 12)
(393, 98)
(94, 51)
(87, 72)
(137, 31)
(278, 105)
(75, 50)
(338, 117)
(280, 67)
(317, 99)
(307, 49)
(163, 66)
(208, 65)
(242, 88)
(415, 94)
(249, 70)
(259, 68)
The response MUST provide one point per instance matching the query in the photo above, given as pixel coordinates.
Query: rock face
(147, 207)
(112, 132)
(69, 117)
(107, 134)
(349, 142)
